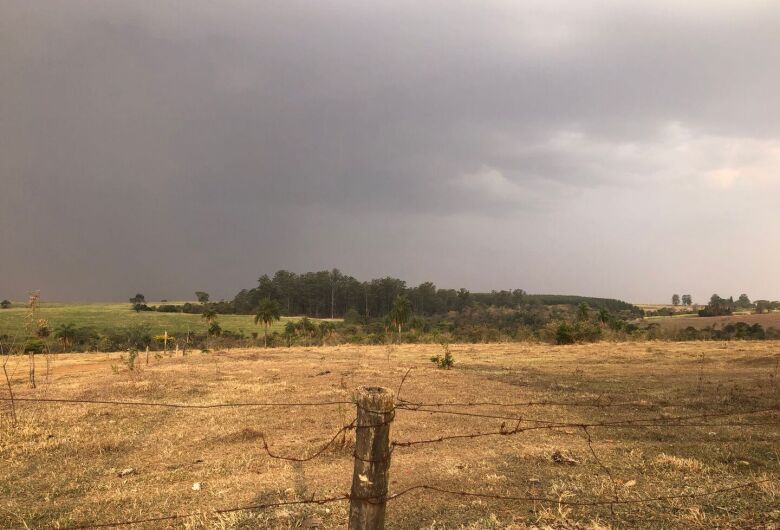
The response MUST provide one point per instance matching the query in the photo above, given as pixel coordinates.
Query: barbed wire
(586, 404)
(531, 498)
(179, 405)
(421, 487)
(666, 422)
(171, 517)
(772, 408)
(682, 421)
(324, 448)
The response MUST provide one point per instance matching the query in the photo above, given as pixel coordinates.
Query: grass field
(107, 316)
(670, 307)
(60, 465)
(676, 322)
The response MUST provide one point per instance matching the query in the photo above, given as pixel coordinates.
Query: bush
(34, 346)
(564, 334)
(352, 317)
(446, 361)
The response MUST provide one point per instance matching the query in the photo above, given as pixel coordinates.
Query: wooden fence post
(375, 412)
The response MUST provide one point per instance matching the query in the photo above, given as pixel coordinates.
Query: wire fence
(512, 425)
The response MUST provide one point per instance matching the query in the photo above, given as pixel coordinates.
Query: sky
(604, 148)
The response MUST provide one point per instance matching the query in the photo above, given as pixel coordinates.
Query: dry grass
(59, 466)
(677, 322)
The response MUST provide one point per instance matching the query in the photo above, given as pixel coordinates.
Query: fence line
(324, 448)
(682, 421)
(530, 498)
(427, 487)
(178, 405)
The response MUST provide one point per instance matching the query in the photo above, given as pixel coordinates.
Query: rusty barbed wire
(682, 421)
(324, 448)
(172, 517)
(665, 422)
(536, 420)
(531, 498)
(586, 404)
(68, 401)
(420, 487)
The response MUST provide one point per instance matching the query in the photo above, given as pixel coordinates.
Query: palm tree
(64, 333)
(290, 330)
(267, 312)
(209, 314)
(401, 312)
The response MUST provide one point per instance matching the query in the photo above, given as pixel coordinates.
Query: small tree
(268, 311)
(583, 312)
(675, 299)
(401, 312)
(446, 361)
(744, 301)
(215, 330)
(202, 296)
(209, 315)
(5, 304)
(138, 299)
(290, 330)
(564, 334)
(65, 333)
(687, 299)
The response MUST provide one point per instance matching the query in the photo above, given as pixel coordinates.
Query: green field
(108, 316)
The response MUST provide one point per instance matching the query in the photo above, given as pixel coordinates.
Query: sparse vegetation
(445, 361)
(76, 455)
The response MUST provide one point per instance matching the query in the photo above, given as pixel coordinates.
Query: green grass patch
(110, 316)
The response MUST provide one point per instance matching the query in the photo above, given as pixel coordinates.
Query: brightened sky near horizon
(618, 149)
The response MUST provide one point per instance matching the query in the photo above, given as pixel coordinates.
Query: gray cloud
(618, 149)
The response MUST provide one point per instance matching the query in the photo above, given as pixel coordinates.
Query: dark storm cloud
(174, 146)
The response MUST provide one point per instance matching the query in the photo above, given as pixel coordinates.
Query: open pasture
(677, 322)
(112, 316)
(64, 465)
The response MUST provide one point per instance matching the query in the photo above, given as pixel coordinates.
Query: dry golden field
(60, 465)
(677, 322)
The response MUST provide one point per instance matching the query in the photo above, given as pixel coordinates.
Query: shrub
(132, 356)
(215, 330)
(34, 346)
(446, 361)
(564, 334)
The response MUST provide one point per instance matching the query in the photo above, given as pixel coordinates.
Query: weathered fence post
(375, 412)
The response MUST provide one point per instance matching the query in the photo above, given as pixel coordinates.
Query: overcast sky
(620, 149)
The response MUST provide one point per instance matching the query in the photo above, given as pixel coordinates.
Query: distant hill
(609, 304)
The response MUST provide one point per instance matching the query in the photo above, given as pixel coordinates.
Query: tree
(564, 334)
(401, 312)
(583, 312)
(65, 333)
(267, 312)
(138, 299)
(335, 277)
(675, 299)
(209, 315)
(744, 301)
(687, 299)
(215, 330)
(290, 330)
(718, 307)
(464, 299)
(203, 297)
(763, 306)
(5, 304)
